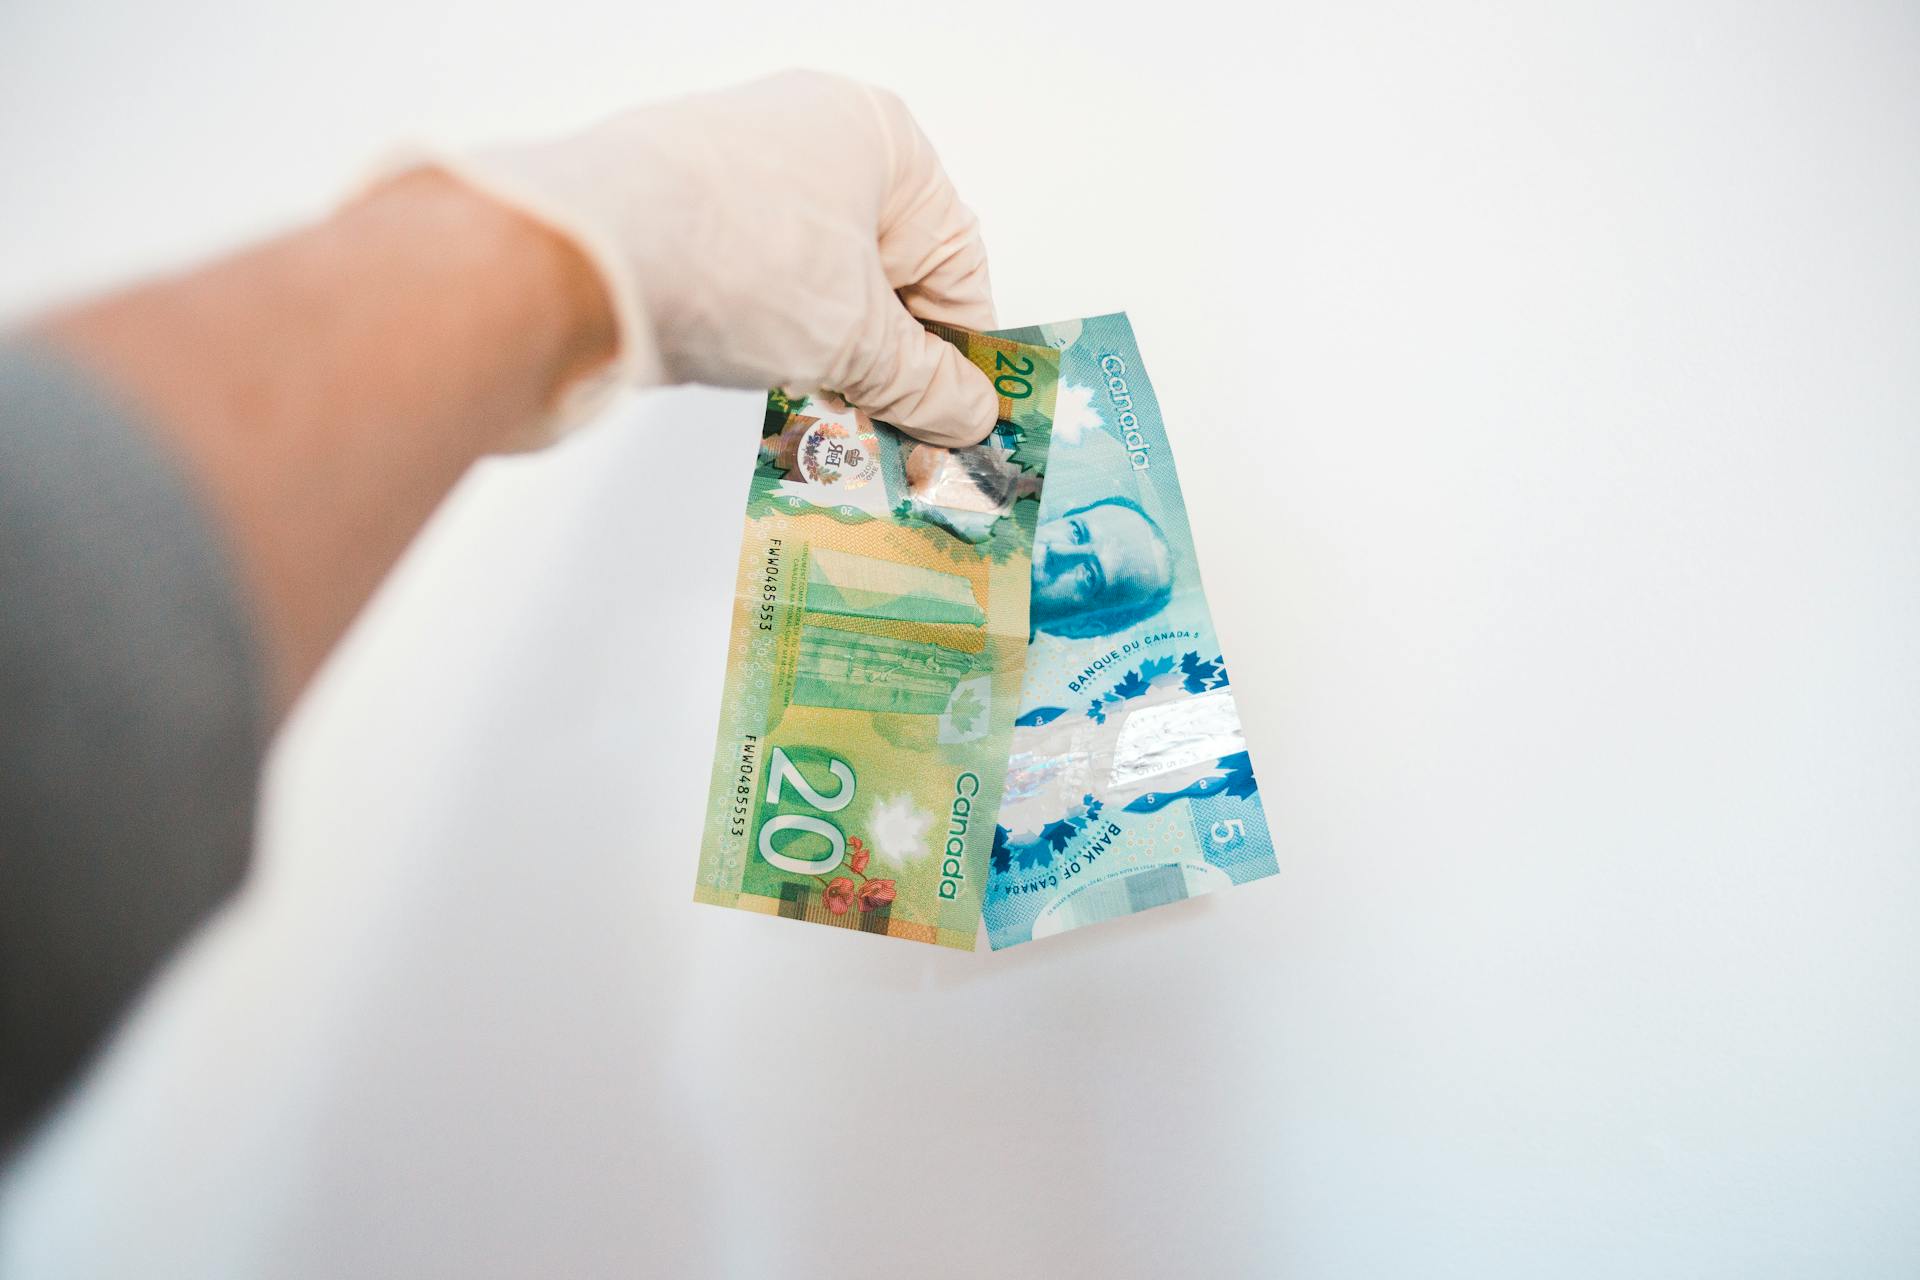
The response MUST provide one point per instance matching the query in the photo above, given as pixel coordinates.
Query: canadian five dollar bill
(1128, 783)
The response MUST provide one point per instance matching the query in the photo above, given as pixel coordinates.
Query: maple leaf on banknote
(1074, 414)
(1002, 858)
(1032, 854)
(899, 828)
(779, 406)
(1240, 779)
(779, 401)
(1056, 834)
(965, 708)
(1203, 674)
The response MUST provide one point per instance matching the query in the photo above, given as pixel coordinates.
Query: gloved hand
(785, 233)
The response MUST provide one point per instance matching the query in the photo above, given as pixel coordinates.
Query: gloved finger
(930, 243)
(904, 375)
(938, 264)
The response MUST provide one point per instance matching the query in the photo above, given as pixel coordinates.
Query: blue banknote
(1128, 784)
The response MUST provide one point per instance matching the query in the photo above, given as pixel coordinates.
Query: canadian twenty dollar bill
(878, 635)
(1128, 784)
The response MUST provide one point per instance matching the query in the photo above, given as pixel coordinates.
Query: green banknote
(878, 639)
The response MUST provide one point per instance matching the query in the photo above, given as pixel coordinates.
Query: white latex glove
(784, 233)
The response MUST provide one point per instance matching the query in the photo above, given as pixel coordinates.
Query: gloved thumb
(918, 382)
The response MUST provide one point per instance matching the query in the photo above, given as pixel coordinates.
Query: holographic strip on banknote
(1129, 784)
(878, 635)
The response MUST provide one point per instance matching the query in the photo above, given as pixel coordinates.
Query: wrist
(554, 191)
(589, 333)
(528, 314)
(535, 281)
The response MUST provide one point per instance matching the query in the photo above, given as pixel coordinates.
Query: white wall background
(1545, 386)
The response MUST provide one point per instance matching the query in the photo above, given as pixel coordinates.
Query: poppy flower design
(876, 893)
(839, 895)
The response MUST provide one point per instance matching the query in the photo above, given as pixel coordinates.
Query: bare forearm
(328, 388)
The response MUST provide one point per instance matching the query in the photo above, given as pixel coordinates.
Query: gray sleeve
(132, 720)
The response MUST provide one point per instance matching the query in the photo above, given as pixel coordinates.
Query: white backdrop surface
(1544, 388)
